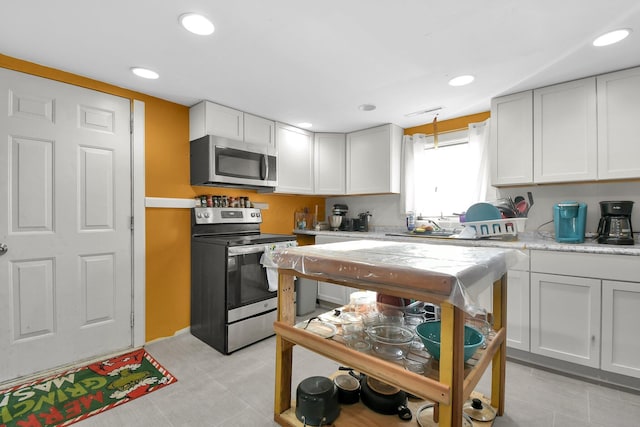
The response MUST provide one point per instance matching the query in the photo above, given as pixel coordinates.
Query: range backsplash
(387, 212)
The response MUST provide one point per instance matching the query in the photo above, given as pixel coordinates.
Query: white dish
(318, 327)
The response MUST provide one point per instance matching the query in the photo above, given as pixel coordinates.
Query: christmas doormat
(80, 393)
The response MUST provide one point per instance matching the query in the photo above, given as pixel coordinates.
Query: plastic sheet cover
(451, 273)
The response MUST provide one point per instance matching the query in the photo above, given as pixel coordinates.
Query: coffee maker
(614, 227)
(569, 219)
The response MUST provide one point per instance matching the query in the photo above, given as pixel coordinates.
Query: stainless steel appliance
(364, 220)
(232, 305)
(223, 162)
(615, 227)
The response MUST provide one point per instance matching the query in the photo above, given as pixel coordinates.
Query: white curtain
(447, 179)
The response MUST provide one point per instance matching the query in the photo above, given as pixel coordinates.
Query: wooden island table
(441, 274)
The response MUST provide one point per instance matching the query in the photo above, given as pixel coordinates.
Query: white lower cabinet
(620, 320)
(565, 318)
(328, 292)
(518, 309)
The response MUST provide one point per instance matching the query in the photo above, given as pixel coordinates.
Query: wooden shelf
(449, 384)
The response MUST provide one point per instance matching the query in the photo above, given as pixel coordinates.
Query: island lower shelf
(425, 386)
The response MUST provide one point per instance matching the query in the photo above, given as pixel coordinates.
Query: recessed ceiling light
(366, 107)
(611, 37)
(461, 80)
(305, 125)
(144, 73)
(197, 24)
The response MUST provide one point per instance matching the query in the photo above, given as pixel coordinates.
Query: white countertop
(526, 240)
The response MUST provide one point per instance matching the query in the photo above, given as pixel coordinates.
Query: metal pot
(348, 389)
(383, 398)
(317, 401)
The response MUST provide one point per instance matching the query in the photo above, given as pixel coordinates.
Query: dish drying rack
(497, 227)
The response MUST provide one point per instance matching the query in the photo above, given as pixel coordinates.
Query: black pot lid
(479, 411)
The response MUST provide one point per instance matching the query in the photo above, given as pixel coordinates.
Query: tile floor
(237, 390)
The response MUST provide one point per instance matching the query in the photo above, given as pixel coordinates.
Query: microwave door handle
(265, 167)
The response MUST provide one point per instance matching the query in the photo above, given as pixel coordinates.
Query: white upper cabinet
(330, 163)
(512, 139)
(583, 130)
(259, 131)
(618, 115)
(295, 160)
(565, 140)
(373, 160)
(207, 118)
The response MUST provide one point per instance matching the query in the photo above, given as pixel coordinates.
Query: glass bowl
(390, 341)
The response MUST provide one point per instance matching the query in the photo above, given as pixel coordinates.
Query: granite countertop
(526, 240)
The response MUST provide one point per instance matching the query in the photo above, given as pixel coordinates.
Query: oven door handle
(245, 250)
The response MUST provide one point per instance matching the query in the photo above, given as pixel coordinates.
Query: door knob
(3, 248)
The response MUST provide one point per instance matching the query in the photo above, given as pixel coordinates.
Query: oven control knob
(206, 214)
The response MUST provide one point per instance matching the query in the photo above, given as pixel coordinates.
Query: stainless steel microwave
(223, 162)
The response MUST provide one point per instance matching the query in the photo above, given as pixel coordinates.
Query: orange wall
(168, 273)
(449, 125)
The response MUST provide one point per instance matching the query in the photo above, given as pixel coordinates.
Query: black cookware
(317, 401)
(383, 398)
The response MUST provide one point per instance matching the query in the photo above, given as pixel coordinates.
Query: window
(448, 179)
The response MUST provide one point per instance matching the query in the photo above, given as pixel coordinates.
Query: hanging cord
(540, 234)
(435, 131)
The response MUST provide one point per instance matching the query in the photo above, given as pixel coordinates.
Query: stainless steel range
(232, 304)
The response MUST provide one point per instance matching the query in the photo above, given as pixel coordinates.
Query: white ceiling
(317, 61)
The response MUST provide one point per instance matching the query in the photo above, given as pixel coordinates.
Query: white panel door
(65, 209)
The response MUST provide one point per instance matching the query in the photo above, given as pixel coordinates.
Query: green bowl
(429, 333)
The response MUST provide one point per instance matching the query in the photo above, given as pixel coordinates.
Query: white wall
(387, 212)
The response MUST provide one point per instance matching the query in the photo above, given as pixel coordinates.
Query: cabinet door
(512, 139)
(295, 160)
(518, 310)
(373, 160)
(259, 131)
(565, 318)
(565, 132)
(618, 114)
(335, 294)
(330, 163)
(620, 320)
(223, 121)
